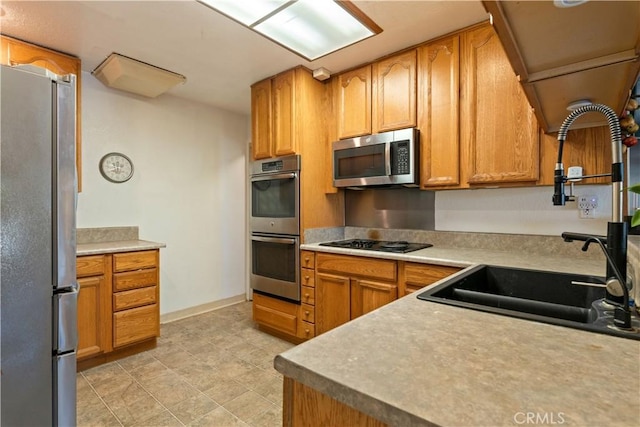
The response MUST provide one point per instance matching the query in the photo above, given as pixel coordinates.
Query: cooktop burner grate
(376, 245)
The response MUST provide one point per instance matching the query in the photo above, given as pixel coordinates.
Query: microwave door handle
(274, 240)
(291, 175)
(387, 159)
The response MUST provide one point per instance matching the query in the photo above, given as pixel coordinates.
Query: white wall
(519, 211)
(188, 188)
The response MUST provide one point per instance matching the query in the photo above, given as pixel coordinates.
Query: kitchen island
(414, 362)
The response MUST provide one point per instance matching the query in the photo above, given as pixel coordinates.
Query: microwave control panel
(400, 158)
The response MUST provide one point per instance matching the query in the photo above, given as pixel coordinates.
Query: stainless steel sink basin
(534, 295)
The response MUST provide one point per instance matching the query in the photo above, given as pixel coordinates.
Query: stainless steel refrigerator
(37, 247)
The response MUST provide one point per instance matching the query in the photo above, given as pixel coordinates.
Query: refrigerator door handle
(65, 315)
(64, 393)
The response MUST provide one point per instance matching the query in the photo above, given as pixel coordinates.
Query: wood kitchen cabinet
(18, 52)
(498, 129)
(118, 305)
(415, 276)
(354, 102)
(350, 286)
(94, 306)
(438, 112)
(136, 314)
(281, 107)
(394, 92)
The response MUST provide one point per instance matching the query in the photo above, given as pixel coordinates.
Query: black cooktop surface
(377, 245)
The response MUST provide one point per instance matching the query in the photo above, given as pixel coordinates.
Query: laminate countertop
(419, 363)
(99, 248)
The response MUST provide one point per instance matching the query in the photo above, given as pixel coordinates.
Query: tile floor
(214, 369)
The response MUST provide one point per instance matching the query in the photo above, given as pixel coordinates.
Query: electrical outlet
(587, 205)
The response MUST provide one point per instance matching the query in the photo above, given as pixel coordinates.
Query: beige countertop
(414, 362)
(462, 257)
(116, 246)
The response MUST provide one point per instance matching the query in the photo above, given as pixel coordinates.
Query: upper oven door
(275, 203)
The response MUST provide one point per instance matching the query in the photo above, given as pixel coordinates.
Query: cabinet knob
(306, 278)
(306, 313)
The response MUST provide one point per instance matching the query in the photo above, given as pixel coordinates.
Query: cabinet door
(367, 295)
(333, 307)
(91, 319)
(394, 92)
(16, 52)
(438, 114)
(284, 119)
(261, 119)
(354, 103)
(498, 127)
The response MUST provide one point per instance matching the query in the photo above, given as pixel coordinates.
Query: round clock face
(116, 167)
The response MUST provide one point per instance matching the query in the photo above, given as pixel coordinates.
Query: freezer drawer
(64, 398)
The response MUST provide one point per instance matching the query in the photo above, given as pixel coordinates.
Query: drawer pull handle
(306, 313)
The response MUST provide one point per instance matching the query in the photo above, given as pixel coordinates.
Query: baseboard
(203, 308)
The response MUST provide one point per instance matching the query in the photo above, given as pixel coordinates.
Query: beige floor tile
(218, 417)
(248, 405)
(271, 418)
(163, 419)
(169, 388)
(225, 390)
(217, 358)
(193, 408)
(132, 410)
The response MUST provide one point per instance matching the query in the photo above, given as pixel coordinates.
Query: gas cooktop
(376, 245)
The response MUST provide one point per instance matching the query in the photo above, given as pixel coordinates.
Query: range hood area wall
(398, 208)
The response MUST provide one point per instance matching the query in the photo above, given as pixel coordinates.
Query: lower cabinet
(350, 286)
(415, 276)
(338, 288)
(118, 305)
(94, 306)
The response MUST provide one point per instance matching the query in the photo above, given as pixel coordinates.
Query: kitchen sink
(571, 300)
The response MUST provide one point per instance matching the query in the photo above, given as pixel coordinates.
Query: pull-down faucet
(616, 240)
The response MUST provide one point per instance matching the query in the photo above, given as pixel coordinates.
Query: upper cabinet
(438, 112)
(561, 55)
(261, 119)
(273, 116)
(394, 92)
(498, 128)
(16, 52)
(354, 103)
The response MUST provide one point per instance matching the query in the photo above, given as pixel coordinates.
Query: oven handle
(291, 175)
(284, 240)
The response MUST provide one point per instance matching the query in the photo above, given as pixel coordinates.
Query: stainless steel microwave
(389, 158)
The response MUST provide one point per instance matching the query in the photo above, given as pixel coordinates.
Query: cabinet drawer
(308, 259)
(92, 265)
(135, 260)
(307, 277)
(135, 279)
(134, 298)
(306, 330)
(135, 324)
(426, 274)
(308, 295)
(276, 314)
(379, 269)
(308, 313)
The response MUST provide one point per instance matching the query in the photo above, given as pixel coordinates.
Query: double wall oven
(275, 227)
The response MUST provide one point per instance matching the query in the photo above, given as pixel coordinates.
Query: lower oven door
(275, 266)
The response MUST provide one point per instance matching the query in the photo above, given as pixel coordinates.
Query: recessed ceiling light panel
(309, 28)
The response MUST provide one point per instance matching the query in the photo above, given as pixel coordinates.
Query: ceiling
(219, 57)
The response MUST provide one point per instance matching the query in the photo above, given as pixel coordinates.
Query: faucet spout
(617, 167)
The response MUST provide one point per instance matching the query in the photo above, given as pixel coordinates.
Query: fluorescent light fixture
(128, 74)
(309, 28)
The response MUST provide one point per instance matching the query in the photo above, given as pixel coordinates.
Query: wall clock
(116, 167)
